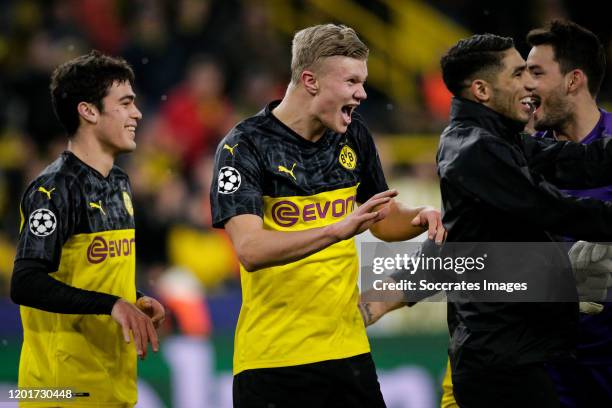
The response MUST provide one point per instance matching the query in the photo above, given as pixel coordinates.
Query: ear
(480, 90)
(88, 112)
(575, 80)
(310, 82)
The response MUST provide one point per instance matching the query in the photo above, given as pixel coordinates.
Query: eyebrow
(357, 77)
(129, 97)
(518, 69)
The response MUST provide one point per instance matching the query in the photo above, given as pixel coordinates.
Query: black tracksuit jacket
(501, 185)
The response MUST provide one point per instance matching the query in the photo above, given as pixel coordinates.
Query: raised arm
(490, 172)
(570, 165)
(259, 248)
(403, 223)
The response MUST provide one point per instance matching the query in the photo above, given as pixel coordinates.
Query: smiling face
(512, 88)
(340, 90)
(116, 126)
(553, 107)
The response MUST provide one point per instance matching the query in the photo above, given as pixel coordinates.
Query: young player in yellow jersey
(74, 274)
(288, 182)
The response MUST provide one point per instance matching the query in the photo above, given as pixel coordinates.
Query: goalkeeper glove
(592, 266)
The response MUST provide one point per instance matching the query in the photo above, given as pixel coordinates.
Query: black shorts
(348, 382)
(523, 386)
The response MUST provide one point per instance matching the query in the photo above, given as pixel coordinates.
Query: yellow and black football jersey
(81, 224)
(305, 311)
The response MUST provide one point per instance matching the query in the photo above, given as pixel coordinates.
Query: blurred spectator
(250, 39)
(194, 26)
(258, 88)
(197, 113)
(157, 58)
(436, 97)
(100, 20)
(63, 21)
(31, 87)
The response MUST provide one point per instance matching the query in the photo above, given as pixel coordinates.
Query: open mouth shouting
(347, 112)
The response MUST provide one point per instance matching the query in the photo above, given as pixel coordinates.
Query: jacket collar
(465, 110)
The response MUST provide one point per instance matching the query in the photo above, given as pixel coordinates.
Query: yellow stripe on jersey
(85, 353)
(21, 219)
(305, 311)
(448, 397)
(305, 212)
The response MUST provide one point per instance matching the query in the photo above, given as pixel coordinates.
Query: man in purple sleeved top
(568, 64)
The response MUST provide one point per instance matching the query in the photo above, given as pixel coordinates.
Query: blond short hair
(312, 44)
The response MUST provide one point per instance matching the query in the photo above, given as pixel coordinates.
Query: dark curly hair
(85, 79)
(477, 56)
(574, 47)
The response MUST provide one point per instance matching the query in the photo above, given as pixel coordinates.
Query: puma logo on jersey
(283, 169)
(230, 148)
(45, 191)
(97, 205)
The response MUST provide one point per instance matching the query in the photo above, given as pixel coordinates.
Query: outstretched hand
(365, 216)
(431, 219)
(131, 318)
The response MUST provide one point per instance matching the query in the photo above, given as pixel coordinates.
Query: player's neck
(585, 118)
(294, 113)
(90, 152)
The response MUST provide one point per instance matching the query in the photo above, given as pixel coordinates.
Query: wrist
(112, 303)
(365, 309)
(332, 233)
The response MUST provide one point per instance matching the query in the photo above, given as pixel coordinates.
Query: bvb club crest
(128, 203)
(348, 158)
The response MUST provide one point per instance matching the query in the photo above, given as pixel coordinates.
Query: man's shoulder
(254, 136)
(249, 130)
(118, 172)
(63, 172)
(467, 137)
(54, 183)
(462, 145)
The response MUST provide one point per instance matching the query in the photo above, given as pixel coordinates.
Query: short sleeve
(372, 175)
(47, 221)
(237, 177)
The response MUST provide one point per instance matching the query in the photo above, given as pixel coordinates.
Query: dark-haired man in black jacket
(499, 185)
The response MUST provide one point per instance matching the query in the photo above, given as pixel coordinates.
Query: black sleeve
(372, 175)
(31, 285)
(570, 165)
(236, 185)
(428, 249)
(488, 171)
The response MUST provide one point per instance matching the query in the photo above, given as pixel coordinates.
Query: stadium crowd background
(201, 66)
